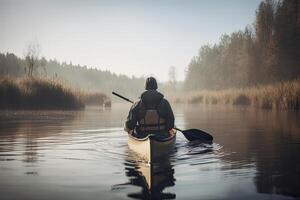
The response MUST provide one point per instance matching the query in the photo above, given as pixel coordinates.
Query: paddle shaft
(118, 95)
(178, 129)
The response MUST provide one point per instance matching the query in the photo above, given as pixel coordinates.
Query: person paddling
(152, 113)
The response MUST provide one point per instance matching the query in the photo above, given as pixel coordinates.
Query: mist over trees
(172, 84)
(11, 65)
(92, 79)
(267, 52)
(81, 77)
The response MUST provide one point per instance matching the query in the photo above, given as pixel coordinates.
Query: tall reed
(37, 93)
(283, 96)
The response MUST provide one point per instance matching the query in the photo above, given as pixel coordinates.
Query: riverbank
(37, 93)
(281, 96)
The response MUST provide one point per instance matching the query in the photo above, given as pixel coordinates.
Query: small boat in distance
(152, 147)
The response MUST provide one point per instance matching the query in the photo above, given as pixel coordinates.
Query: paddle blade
(196, 134)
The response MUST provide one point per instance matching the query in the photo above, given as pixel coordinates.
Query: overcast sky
(129, 37)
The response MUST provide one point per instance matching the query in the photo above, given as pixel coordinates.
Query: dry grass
(282, 96)
(36, 93)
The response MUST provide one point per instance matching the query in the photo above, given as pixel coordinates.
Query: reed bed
(282, 96)
(37, 93)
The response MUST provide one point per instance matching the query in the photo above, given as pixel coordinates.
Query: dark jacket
(150, 98)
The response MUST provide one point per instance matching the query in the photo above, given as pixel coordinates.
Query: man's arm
(169, 115)
(131, 118)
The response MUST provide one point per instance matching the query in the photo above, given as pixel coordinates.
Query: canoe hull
(150, 148)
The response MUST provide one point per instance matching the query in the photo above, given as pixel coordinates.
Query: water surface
(84, 155)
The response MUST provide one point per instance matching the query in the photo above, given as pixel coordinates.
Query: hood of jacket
(151, 97)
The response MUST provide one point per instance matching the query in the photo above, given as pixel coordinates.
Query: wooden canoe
(151, 148)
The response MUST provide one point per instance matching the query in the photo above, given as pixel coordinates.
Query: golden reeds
(37, 93)
(284, 95)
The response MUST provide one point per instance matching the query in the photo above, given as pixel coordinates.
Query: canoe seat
(158, 136)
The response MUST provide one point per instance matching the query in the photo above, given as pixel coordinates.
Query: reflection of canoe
(151, 147)
(157, 175)
(153, 178)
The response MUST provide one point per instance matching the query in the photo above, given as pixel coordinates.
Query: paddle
(122, 97)
(190, 134)
(196, 134)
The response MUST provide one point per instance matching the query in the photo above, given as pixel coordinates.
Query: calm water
(84, 155)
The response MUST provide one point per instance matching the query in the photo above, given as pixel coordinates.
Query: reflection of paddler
(153, 178)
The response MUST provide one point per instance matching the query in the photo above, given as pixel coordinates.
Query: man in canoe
(152, 113)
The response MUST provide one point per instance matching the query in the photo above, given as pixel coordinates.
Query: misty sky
(129, 37)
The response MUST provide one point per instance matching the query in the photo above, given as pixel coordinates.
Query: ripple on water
(197, 153)
(107, 142)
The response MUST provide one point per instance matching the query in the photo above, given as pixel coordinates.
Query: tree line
(81, 77)
(90, 80)
(266, 52)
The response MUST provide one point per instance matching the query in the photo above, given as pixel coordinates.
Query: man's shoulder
(164, 100)
(136, 104)
(137, 101)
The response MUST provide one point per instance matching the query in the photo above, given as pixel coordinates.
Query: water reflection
(80, 155)
(23, 133)
(269, 141)
(152, 178)
(278, 160)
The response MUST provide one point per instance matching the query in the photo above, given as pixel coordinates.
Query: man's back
(152, 113)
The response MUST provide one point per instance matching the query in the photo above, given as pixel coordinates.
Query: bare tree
(32, 53)
(172, 77)
(42, 63)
